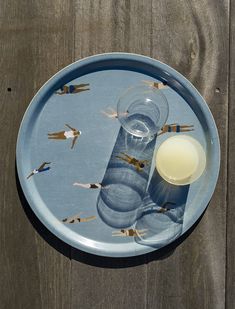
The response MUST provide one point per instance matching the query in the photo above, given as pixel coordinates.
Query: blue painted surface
(120, 200)
(52, 195)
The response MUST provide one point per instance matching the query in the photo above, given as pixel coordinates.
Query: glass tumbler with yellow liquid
(180, 160)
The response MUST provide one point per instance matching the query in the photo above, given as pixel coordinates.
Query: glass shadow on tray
(125, 181)
(155, 215)
(163, 213)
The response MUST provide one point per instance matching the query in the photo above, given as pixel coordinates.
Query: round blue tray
(51, 193)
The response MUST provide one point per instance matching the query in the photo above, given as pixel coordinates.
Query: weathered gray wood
(230, 273)
(192, 36)
(37, 38)
(35, 41)
(104, 26)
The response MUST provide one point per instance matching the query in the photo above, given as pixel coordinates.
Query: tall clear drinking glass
(142, 111)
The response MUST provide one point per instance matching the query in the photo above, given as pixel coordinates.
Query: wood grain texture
(37, 38)
(35, 42)
(104, 26)
(191, 37)
(230, 274)
(195, 42)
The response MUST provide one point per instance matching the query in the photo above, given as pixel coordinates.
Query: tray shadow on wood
(107, 262)
(50, 238)
(90, 259)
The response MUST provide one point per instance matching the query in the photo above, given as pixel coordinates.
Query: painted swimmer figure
(155, 84)
(129, 232)
(112, 113)
(176, 128)
(62, 135)
(139, 164)
(164, 207)
(96, 185)
(41, 168)
(72, 89)
(78, 219)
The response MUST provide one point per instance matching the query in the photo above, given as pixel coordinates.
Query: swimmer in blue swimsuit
(176, 128)
(41, 168)
(72, 89)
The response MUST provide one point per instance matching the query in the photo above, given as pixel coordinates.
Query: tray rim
(119, 250)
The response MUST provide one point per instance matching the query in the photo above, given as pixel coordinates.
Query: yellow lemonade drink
(180, 160)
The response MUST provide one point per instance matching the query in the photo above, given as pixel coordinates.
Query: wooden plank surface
(35, 42)
(191, 37)
(104, 26)
(38, 38)
(195, 38)
(230, 274)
